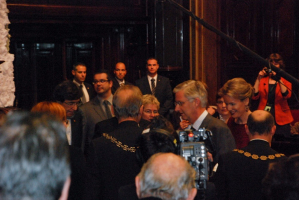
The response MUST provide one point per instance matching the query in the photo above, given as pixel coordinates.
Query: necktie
(121, 84)
(153, 86)
(83, 100)
(107, 109)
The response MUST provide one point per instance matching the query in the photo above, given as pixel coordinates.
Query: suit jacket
(77, 130)
(105, 126)
(283, 113)
(240, 172)
(116, 85)
(163, 92)
(90, 90)
(92, 113)
(223, 140)
(112, 161)
(78, 174)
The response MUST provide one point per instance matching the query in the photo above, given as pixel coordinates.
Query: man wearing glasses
(190, 101)
(98, 108)
(67, 94)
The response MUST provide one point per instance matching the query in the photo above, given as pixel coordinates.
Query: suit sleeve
(167, 105)
(221, 181)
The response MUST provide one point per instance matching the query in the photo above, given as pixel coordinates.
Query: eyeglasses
(100, 81)
(151, 111)
(274, 60)
(180, 103)
(72, 103)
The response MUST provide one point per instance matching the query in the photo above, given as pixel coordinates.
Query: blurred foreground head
(34, 159)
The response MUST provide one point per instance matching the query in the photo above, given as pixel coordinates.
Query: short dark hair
(76, 65)
(34, 157)
(104, 71)
(282, 179)
(152, 58)
(67, 90)
(263, 126)
(155, 141)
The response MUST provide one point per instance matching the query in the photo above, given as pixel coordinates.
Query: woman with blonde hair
(237, 94)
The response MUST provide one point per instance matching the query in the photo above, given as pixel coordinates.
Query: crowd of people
(115, 140)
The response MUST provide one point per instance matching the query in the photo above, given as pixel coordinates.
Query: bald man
(120, 72)
(166, 176)
(241, 171)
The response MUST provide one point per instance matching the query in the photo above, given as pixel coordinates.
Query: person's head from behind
(152, 142)
(191, 99)
(166, 176)
(282, 179)
(34, 160)
(237, 94)
(51, 108)
(79, 72)
(120, 71)
(160, 122)
(68, 95)
(127, 102)
(151, 107)
(260, 123)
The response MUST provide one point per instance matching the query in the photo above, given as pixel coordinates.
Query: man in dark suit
(67, 94)
(86, 90)
(120, 72)
(98, 108)
(240, 172)
(112, 161)
(190, 101)
(157, 85)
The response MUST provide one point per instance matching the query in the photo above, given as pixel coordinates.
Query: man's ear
(65, 189)
(247, 130)
(73, 72)
(273, 129)
(192, 194)
(137, 184)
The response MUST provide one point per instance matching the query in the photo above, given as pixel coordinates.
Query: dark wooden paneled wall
(49, 36)
(265, 27)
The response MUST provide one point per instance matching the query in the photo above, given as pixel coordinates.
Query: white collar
(199, 120)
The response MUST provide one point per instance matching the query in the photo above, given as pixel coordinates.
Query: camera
(267, 70)
(192, 147)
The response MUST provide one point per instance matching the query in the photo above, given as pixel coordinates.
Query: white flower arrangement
(7, 85)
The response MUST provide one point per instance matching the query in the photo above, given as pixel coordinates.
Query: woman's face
(221, 107)
(149, 112)
(236, 107)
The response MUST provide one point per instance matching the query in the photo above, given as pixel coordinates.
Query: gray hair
(34, 157)
(169, 187)
(193, 89)
(127, 101)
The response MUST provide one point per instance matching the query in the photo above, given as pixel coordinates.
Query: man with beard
(98, 108)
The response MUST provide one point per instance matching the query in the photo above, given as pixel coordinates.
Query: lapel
(147, 87)
(206, 121)
(98, 108)
(159, 83)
